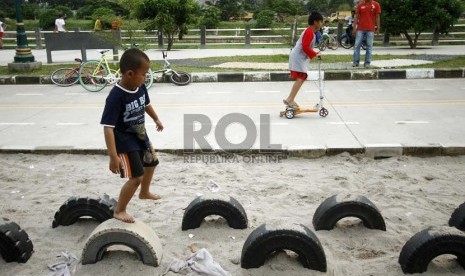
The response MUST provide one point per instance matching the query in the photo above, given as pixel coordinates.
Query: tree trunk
(409, 39)
(170, 42)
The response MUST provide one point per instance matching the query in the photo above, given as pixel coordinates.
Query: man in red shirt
(366, 24)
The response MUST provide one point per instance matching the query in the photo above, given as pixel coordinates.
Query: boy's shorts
(298, 75)
(134, 162)
(1, 35)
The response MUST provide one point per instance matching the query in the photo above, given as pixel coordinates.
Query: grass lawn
(453, 62)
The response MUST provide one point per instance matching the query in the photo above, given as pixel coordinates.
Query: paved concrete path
(380, 118)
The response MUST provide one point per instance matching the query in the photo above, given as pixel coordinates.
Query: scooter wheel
(290, 114)
(323, 112)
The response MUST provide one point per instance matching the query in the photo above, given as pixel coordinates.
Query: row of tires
(260, 244)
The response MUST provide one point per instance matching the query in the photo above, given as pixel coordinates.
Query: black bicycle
(347, 41)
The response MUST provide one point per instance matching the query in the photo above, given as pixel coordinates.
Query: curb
(329, 75)
(375, 151)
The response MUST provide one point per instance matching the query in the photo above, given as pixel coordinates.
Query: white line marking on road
(420, 89)
(29, 94)
(267, 91)
(219, 92)
(17, 124)
(411, 122)
(76, 94)
(343, 123)
(370, 90)
(70, 124)
(170, 93)
(279, 124)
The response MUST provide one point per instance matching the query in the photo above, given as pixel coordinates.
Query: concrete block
(330, 151)
(383, 150)
(364, 75)
(453, 149)
(46, 80)
(420, 73)
(27, 79)
(230, 77)
(204, 77)
(280, 76)
(7, 80)
(338, 75)
(313, 75)
(256, 76)
(423, 150)
(448, 73)
(391, 74)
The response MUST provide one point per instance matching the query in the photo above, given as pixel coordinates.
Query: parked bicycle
(177, 77)
(66, 76)
(328, 41)
(96, 74)
(347, 41)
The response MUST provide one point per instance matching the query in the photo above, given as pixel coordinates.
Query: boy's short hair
(314, 16)
(132, 60)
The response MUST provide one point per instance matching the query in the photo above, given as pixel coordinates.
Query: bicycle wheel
(149, 79)
(65, 76)
(322, 45)
(364, 45)
(334, 44)
(113, 77)
(92, 76)
(345, 42)
(180, 78)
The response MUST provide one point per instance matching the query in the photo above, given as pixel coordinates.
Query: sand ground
(411, 193)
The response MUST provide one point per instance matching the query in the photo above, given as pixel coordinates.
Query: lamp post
(23, 60)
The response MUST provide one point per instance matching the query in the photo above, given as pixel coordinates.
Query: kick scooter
(291, 112)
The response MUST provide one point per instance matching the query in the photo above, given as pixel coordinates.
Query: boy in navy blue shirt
(129, 148)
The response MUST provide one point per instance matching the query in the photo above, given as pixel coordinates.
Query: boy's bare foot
(124, 217)
(149, 196)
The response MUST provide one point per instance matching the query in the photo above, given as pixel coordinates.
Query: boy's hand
(115, 164)
(159, 125)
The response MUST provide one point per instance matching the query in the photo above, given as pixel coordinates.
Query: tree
(317, 5)
(402, 16)
(211, 17)
(170, 16)
(230, 9)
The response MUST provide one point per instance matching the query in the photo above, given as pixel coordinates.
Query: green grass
(453, 62)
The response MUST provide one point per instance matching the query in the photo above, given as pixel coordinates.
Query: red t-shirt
(367, 15)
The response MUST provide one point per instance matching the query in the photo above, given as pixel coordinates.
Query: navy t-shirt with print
(125, 111)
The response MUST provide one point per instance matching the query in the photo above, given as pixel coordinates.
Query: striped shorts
(133, 163)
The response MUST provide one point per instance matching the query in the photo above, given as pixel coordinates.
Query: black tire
(76, 207)
(15, 245)
(337, 207)
(345, 42)
(458, 218)
(65, 76)
(426, 245)
(203, 206)
(180, 78)
(265, 240)
(138, 236)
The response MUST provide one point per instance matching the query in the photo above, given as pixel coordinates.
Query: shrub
(211, 17)
(265, 19)
(47, 19)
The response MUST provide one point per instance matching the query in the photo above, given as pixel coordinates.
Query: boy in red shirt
(366, 24)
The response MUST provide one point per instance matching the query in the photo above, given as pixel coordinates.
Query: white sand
(411, 193)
